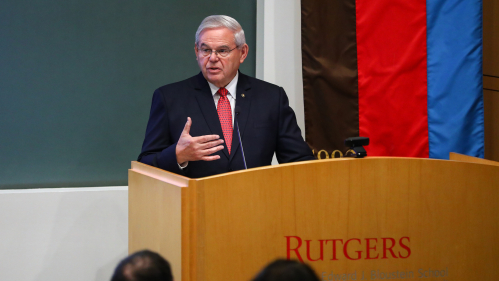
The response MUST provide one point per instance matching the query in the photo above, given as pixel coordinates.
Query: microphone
(237, 110)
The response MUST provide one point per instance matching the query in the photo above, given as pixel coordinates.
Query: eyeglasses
(221, 53)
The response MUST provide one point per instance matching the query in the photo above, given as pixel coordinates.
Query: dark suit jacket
(267, 125)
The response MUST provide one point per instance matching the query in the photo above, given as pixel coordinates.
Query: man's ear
(244, 53)
(196, 50)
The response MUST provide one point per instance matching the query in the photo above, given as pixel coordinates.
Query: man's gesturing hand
(197, 148)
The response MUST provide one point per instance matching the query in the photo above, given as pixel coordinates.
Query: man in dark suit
(216, 103)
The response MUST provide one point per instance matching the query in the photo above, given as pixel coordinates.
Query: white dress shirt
(231, 87)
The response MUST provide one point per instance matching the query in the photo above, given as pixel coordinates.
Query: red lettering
(334, 247)
(368, 249)
(405, 247)
(288, 247)
(388, 248)
(345, 252)
(321, 257)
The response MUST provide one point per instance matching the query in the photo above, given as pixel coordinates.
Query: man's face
(216, 69)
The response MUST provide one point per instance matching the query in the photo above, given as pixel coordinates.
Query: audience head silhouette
(287, 270)
(143, 266)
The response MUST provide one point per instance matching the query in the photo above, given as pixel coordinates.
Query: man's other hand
(197, 148)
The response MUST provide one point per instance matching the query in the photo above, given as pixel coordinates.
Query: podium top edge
(300, 163)
(183, 181)
(160, 174)
(369, 158)
(453, 156)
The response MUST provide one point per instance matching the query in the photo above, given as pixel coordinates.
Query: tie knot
(223, 92)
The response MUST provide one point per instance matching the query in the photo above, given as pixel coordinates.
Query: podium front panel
(350, 219)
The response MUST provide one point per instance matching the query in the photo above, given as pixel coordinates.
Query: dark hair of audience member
(287, 270)
(143, 266)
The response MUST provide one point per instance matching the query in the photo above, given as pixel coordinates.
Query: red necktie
(225, 116)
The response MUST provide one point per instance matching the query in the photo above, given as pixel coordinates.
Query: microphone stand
(239, 136)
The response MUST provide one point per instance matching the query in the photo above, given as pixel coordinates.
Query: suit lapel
(243, 102)
(207, 106)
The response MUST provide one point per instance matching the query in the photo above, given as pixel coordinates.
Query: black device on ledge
(356, 144)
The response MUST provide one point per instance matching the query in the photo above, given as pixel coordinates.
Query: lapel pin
(242, 95)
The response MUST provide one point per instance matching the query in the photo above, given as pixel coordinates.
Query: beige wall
(491, 77)
(76, 234)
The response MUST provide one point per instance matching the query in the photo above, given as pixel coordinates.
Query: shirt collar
(231, 87)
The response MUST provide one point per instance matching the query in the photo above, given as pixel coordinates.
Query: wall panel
(491, 109)
(491, 77)
(77, 79)
(77, 234)
(491, 38)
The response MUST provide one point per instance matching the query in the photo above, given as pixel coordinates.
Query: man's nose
(213, 56)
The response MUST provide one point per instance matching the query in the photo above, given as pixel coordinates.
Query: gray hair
(218, 21)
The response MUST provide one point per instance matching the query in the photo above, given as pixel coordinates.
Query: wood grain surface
(397, 218)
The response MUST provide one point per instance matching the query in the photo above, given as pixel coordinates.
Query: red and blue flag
(412, 76)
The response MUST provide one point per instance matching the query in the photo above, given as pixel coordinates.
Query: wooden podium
(350, 219)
